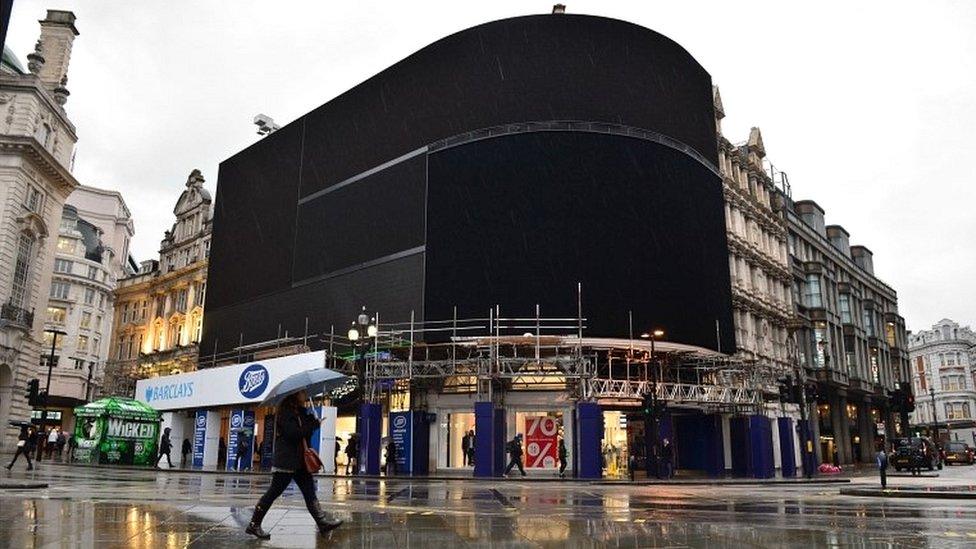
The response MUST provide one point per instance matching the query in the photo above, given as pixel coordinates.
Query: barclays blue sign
(253, 381)
(169, 392)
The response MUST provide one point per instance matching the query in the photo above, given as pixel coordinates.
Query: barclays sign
(253, 381)
(224, 385)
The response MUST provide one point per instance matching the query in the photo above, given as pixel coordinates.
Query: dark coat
(291, 427)
(165, 445)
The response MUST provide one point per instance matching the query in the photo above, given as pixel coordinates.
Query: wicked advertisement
(112, 440)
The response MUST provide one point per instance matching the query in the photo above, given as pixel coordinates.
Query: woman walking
(25, 444)
(294, 425)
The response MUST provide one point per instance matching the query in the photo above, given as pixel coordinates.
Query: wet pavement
(85, 507)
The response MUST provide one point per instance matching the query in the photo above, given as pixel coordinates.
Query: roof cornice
(40, 157)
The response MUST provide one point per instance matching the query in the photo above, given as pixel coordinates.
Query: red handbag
(313, 464)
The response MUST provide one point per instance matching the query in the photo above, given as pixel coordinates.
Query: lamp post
(50, 366)
(362, 325)
(935, 419)
(652, 335)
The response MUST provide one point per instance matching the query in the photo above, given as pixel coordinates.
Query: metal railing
(16, 315)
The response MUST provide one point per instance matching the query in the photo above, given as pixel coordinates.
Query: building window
(821, 345)
(56, 314)
(92, 272)
(920, 367)
(79, 363)
(203, 293)
(813, 295)
(890, 333)
(98, 323)
(89, 296)
(82, 344)
(86, 319)
(47, 359)
(181, 296)
(25, 251)
(66, 245)
(49, 337)
(35, 200)
(845, 309)
(62, 266)
(101, 301)
(197, 328)
(60, 290)
(158, 341)
(120, 348)
(96, 345)
(869, 323)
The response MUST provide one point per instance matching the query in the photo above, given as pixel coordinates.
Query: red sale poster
(540, 442)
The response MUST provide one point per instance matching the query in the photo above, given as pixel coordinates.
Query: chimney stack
(57, 35)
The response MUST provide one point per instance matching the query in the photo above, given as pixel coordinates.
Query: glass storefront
(615, 448)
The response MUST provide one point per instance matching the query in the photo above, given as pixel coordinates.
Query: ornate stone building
(758, 257)
(943, 363)
(91, 255)
(159, 310)
(37, 141)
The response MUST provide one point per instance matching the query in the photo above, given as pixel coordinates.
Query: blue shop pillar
(484, 439)
(501, 440)
(761, 446)
(740, 445)
(590, 422)
(421, 442)
(368, 425)
(808, 457)
(787, 451)
(713, 445)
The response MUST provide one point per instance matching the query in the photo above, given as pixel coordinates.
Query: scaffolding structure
(494, 354)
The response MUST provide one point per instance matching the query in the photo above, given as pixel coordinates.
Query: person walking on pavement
(563, 455)
(882, 460)
(465, 446)
(40, 438)
(335, 459)
(240, 463)
(667, 458)
(352, 454)
(165, 446)
(72, 446)
(52, 442)
(185, 451)
(515, 454)
(294, 425)
(391, 457)
(25, 443)
(62, 440)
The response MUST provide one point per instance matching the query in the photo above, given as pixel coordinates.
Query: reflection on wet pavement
(127, 508)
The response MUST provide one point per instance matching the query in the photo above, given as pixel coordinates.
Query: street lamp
(362, 325)
(50, 366)
(935, 420)
(653, 335)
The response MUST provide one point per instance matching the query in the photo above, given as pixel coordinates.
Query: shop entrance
(459, 450)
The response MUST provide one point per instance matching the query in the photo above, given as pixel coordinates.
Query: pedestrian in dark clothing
(185, 451)
(667, 458)
(335, 460)
(352, 454)
(391, 455)
(165, 446)
(294, 425)
(882, 461)
(62, 440)
(241, 453)
(465, 445)
(72, 446)
(221, 453)
(25, 444)
(515, 455)
(40, 439)
(563, 455)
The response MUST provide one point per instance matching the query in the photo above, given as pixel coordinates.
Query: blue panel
(761, 446)
(421, 442)
(590, 419)
(484, 428)
(786, 448)
(741, 454)
(267, 450)
(368, 425)
(401, 431)
(714, 446)
(199, 437)
(500, 436)
(809, 457)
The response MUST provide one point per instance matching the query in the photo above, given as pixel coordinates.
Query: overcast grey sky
(868, 106)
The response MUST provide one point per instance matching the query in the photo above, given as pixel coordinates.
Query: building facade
(850, 338)
(91, 255)
(943, 364)
(37, 141)
(158, 314)
(758, 255)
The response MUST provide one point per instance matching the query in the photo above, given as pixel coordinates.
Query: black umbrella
(18, 423)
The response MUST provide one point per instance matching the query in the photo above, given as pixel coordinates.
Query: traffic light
(908, 398)
(33, 388)
(647, 404)
(811, 392)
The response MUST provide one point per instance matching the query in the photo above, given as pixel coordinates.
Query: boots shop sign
(227, 385)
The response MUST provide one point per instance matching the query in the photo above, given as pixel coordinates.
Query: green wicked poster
(116, 430)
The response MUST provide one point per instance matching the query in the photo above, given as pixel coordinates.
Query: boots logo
(253, 381)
